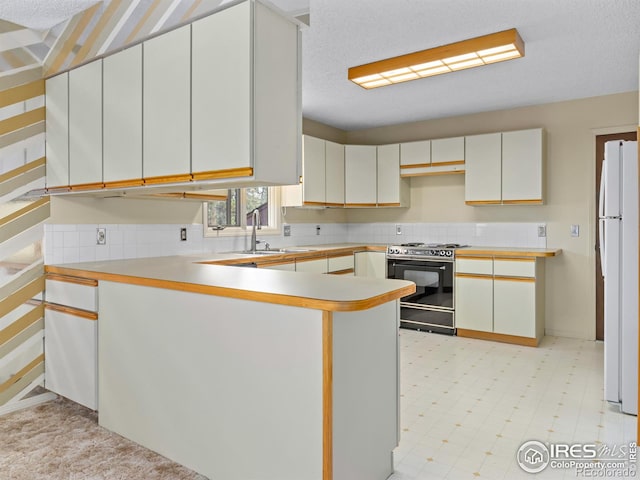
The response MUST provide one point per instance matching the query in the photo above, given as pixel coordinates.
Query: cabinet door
(388, 175)
(370, 264)
(522, 166)
(334, 172)
(313, 171)
(474, 303)
(447, 150)
(514, 307)
(360, 175)
(221, 101)
(166, 104)
(70, 344)
(122, 93)
(483, 177)
(57, 125)
(85, 124)
(312, 266)
(417, 154)
(337, 264)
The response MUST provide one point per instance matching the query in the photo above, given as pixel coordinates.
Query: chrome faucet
(256, 226)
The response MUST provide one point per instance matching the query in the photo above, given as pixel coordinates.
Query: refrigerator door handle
(601, 193)
(602, 252)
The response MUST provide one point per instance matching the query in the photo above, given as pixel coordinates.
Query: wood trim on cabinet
(514, 279)
(346, 271)
(474, 257)
(390, 204)
(23, 169)
(327, 395)
(533, 201)
(314, 204)
(426, 174)
(450, 162)
(333, 204)
(264, 297)
(21, 324)
(76, 312)
(134, 182)
(472, 251)
(482, 202)
(181, 177)
(203, 197)
(417, 165)
(310, 258)
(515, 259)
(487, 276)
(228, 173)
(54, 190)
(360, 204)
(498, 337)
(88, 282)
(87, 186)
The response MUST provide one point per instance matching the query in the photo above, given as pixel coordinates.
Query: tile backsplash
(66, 243)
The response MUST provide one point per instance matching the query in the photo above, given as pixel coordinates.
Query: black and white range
(431, 267)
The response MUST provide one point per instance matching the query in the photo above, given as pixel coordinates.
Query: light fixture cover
(473, 52)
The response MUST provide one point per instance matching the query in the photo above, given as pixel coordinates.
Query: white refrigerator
(618, 217)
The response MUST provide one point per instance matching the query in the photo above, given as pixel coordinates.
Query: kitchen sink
(275, 251)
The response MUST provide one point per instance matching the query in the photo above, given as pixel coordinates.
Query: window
(235, 214)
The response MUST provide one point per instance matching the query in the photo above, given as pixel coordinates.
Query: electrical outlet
(575, 230)
(542, 230)
(183, 234)
(287, 230)
(398, 229)
(101, 236)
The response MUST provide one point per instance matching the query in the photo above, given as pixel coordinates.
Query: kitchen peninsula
(244, 373)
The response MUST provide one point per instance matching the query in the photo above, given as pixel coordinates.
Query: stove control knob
(449, 253)
(404, 251)
(442, 253)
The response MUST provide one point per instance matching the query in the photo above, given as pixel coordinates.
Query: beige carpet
(61, 440)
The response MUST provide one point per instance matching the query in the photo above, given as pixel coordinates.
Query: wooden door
(600, 141)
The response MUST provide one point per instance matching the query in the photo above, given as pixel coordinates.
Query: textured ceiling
(41, 14)
(574, 49)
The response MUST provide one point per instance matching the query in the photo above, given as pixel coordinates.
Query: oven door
(431, 307)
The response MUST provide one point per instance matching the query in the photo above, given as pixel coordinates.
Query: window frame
(273, 228)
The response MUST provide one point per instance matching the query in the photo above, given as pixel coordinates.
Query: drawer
(83, 295)
(514, 267)
(477, 265)
(340, 263)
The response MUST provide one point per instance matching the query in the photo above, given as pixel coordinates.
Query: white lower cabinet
(318, 265)
(71, 367)
(474, 303)
(343, 264)
(370, 264)
(71, 339)
(500, 298)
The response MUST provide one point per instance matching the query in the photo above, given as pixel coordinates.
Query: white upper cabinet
(483, 182)
(415, 154)
(166, 104)
(432, 157)
(522, 166)
(360, 169)
(392, 190)
(122, 116)
(57, 126)
(505, 168)
(334, 173)
(85, 125)
(221, 85)
(313, 171)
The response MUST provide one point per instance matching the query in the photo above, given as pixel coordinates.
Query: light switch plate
(542, 230)
(101, 236)
(575, 230)
(286, 230)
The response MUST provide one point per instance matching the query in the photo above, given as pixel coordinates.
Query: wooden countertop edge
(465, 252)
(265, 297)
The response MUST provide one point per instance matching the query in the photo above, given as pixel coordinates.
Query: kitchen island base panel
(365, 388)
(229, 388)
(237, 389)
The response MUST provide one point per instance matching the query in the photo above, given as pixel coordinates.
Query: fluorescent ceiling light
(474, 52)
